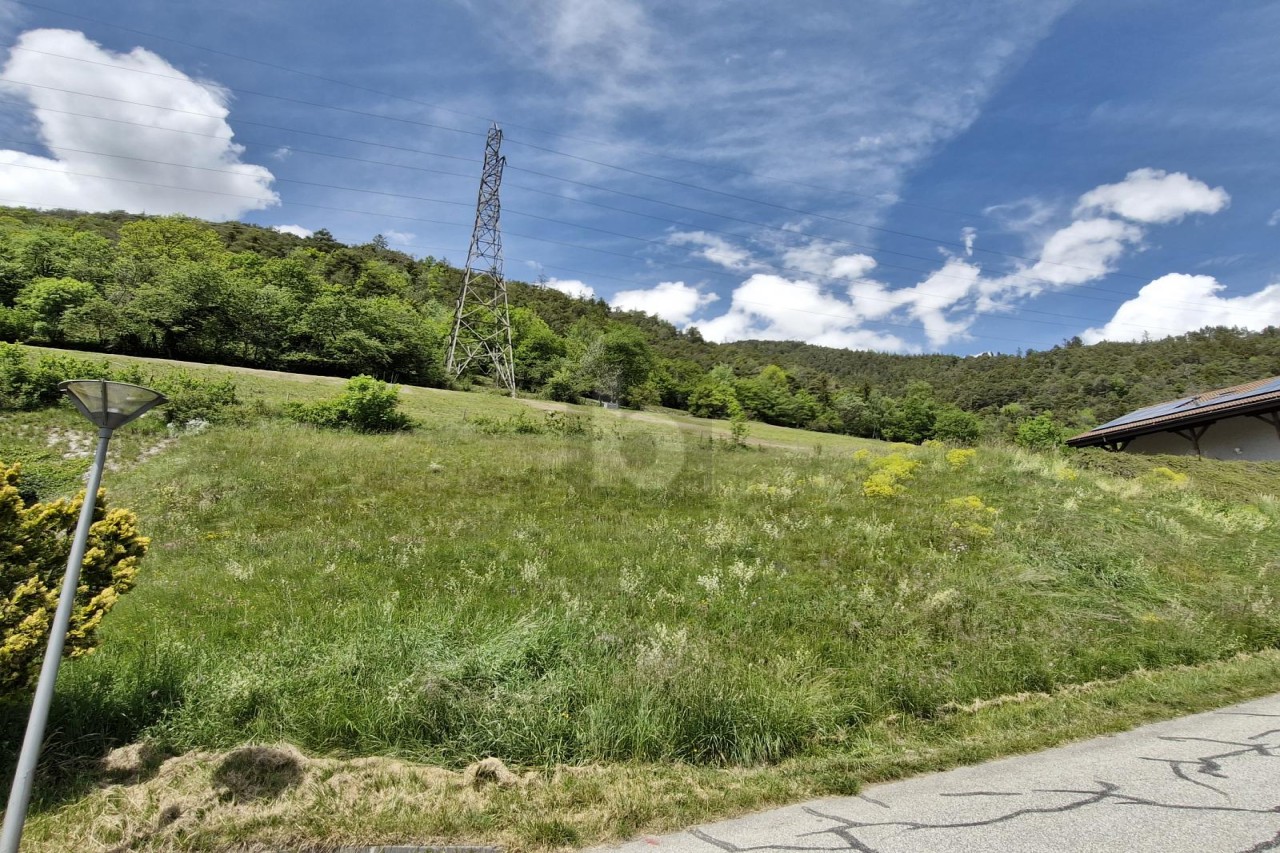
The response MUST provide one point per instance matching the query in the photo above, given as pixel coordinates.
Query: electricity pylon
(482, 322)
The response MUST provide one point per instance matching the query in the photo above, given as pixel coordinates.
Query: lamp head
(110, 405)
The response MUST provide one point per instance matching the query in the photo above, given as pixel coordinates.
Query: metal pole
(24, 777)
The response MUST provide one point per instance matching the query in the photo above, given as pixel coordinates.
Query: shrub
(960, 458)
(15, 324)
(564, 386)
(365, 405)
(1040, 433)
(27, 384)
(570, 424)
(34, 543)
(738, 426)
(957, 426)
(519, 424)
(192, 398)
(566, 424)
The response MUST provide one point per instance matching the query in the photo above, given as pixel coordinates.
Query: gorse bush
(34, 543)
(365, 405)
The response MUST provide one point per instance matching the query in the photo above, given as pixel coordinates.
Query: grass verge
(258, 798)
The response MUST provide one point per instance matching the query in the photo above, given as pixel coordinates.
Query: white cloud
(715, 249)
(821, 258)
(281, 153)
(1083, 251)
(295, 230)
(935, 301)
(1178, 302)
(1275, 218)
(571, 287)
(1154, 196)
(673, 301)
(64, 180)
(770, 307)
(401, 237)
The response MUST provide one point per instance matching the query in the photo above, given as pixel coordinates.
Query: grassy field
(655, 625)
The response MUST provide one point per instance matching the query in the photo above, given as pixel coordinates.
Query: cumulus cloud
(1178, 302)
(715, 249)
(295, 230)
(1081, 252)
(947, 302)
(939, 301)
(1154, 196)
(673, 301)
(1274, 219)
(770, 307)
(821, 258)
(775, 307)
(400, 237)
(1090, 247)
(73, 179)
(571, 287)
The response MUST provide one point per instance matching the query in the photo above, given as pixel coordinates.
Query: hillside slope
(626, 596)
(234, 293)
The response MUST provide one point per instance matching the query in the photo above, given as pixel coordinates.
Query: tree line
(233, 293)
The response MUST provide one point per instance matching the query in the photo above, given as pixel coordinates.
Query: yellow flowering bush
(34, 543)
(960, 457)
(898, 466)
(971, 517)
(891, 471)
(879, 485)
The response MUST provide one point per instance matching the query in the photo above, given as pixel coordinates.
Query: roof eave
(1091, 439)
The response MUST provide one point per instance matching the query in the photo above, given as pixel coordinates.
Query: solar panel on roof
(1149, 412)
(1187, 405)
(1273, 385)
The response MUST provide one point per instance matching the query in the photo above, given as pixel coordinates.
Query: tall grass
(638, 592)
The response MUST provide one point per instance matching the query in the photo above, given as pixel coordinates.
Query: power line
(796, 284)
(647, 151)
(1017, 276)
(755, 223)
(557, 152)
(242, 121)
(968, 335)
(536, 239)
(801, 285)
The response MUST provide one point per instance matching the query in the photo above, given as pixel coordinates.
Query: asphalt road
(1209, 783)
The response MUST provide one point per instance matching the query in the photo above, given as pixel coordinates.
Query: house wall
(1230, 438)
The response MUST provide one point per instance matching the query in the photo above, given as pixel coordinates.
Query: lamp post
(109, 406)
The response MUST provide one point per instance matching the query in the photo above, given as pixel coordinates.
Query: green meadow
(647, 621)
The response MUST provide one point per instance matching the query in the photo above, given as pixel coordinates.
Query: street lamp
(109, 405)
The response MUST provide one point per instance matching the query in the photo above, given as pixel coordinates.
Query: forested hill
(242, 294)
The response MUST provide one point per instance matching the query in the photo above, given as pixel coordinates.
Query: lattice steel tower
(482, 322)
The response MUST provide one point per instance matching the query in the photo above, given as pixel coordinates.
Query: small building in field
(1240, 422)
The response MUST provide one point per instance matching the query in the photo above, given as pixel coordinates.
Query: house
(1240, 422)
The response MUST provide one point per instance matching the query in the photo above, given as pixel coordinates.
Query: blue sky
(907, 176)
